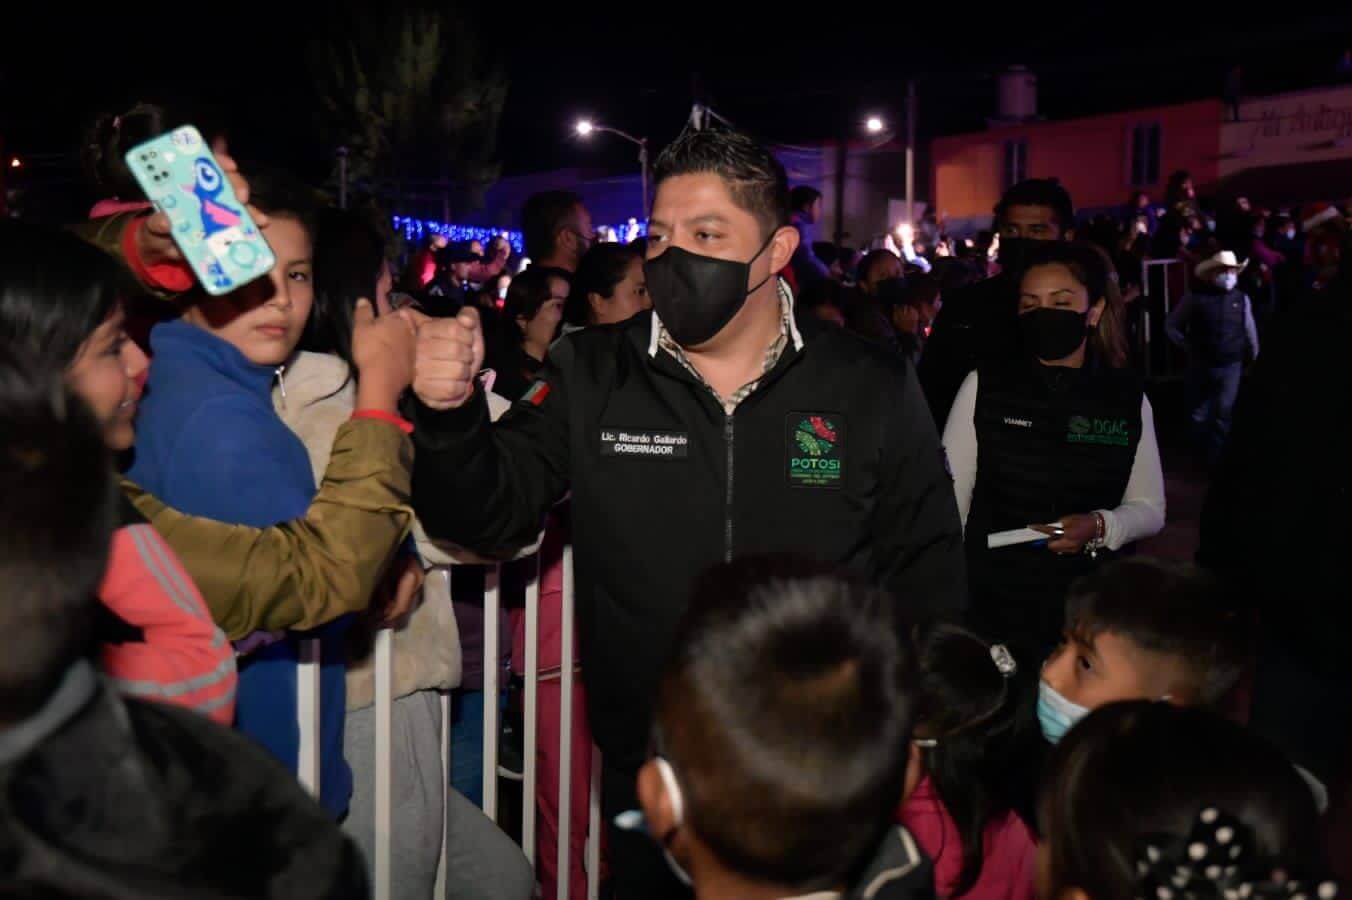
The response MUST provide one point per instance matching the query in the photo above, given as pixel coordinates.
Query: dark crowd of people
(853, 542)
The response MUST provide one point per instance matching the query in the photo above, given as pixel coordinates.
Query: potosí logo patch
(816, 449)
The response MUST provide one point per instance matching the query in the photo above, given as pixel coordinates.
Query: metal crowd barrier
(308, 692)
(1150, 330)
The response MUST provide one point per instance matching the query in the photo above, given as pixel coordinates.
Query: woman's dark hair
(349, 252)
(1146, 770)
(106, 143)
(1091, 267)
(57, 517)
(55, 289)
(527, 293)
(601, 269)
(966, 704)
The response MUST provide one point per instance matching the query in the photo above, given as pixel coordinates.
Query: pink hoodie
(1007, 871)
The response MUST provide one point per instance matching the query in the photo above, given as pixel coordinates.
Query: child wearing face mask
(1214, 323)
(1146, 629)
(775, 742)
(1137, 629)
(1141, 629)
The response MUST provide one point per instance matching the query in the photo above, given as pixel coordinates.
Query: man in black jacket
(978, 324)
(709, 428)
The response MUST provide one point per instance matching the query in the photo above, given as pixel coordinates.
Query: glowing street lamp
(874, 125)
(15, 163)
(586, 127)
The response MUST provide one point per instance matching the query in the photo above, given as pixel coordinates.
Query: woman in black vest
(1062, 440)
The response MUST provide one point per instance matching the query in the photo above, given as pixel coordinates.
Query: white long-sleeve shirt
(1139, 515)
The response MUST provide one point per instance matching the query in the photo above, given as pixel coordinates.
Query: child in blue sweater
(210, 444)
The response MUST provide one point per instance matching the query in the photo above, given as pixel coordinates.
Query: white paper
(1011, 538)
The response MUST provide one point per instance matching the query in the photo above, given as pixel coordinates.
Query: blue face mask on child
(1055, 713)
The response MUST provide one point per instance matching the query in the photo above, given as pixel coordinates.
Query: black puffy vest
(1051, 442)
(1216, 328)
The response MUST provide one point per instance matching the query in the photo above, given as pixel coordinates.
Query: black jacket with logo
(833, 455)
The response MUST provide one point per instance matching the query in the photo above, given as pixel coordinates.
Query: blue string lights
(416, 229)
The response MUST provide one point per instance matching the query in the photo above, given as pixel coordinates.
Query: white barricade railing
(308, 703)
(1165, 295)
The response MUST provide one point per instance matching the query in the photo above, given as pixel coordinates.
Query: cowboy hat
(1223, 260)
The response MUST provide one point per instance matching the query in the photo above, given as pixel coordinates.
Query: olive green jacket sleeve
(302, 573)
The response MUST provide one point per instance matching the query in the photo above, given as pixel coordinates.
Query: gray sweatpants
(483, 863)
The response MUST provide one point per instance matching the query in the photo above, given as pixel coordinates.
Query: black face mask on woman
(696, 296)
(1051, 334)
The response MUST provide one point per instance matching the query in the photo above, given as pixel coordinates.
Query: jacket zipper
(727, 527)
(281, 383)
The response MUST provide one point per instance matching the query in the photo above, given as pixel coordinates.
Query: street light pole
(586, 127)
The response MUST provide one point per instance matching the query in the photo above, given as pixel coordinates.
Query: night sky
(638, 66)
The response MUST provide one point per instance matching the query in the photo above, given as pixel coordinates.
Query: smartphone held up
(218, 237)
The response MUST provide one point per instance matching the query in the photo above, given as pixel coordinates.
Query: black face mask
(1051, 334)
(696, 296)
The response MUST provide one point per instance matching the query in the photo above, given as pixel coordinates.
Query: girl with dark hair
(61, 302)
(608, 287)
(531, 314)
(106, 143)
(322, 384)
(966, 722)
(1060, 439)
(1148, 799)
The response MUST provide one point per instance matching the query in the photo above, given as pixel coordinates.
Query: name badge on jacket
(644, 444)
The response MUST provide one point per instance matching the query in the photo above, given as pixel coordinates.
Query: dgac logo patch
(1108, 432)
(816, 449)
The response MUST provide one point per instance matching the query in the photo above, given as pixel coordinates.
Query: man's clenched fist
(450, 354)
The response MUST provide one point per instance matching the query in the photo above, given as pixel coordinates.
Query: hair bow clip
(1004, 660)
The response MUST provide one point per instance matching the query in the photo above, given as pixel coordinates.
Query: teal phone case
(217, 235)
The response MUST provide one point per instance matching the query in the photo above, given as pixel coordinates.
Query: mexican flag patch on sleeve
(537, 393)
